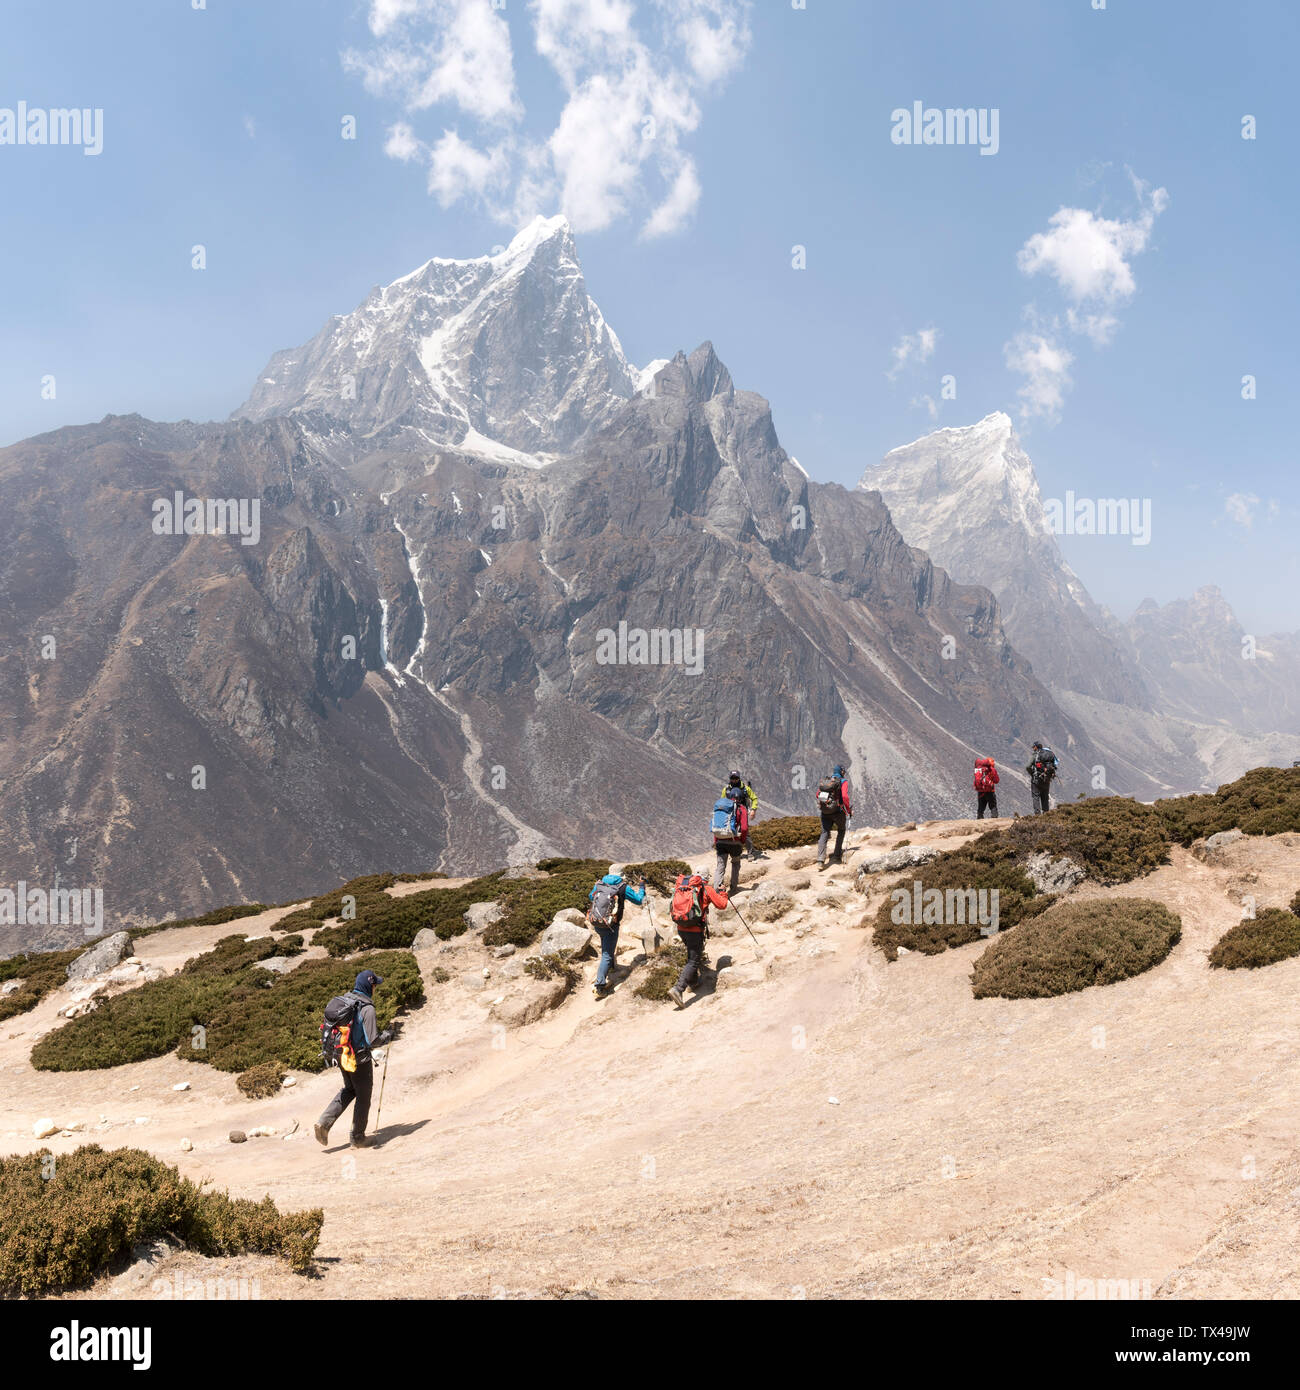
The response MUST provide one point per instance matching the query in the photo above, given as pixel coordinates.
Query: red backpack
(688, 903)
(985, 775)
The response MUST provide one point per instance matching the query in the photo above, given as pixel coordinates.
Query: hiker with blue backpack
(729, 825)
(605, 915)
(348, 1035)
(745, 786)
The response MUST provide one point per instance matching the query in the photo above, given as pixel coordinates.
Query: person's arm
(846, 798)
(716, 896)
(996, 778)
(369, 1026)
(635, 891)
(744, 822)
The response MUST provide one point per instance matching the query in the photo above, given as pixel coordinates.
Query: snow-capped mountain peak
(508, 348)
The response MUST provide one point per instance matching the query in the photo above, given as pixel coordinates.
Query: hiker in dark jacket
(836, 807)
(358, 1085)
(726, 849)
(620, 890)
(1041, 768)
(693, 936)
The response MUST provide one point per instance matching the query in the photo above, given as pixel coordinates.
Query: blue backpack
(725, 821)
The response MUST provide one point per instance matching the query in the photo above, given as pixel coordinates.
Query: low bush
(1076, 945)
(215, 918)
(1112, 838)
(988, 863)
(659, 874)
(219, 1012)
(1295, 904)
(41, 972)
(531, 904)
(1271, 936)
(786, 832)
(555, 966)
(1266, 801)
(662, 971)
(386, 923)
(63, 1221)
(261, 1081)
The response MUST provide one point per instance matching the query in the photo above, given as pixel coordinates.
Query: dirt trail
(821, 1123)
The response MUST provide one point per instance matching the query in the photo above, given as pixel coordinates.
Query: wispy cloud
(912, 348)
(1089, 259)
(630, 102)
(1240, 508)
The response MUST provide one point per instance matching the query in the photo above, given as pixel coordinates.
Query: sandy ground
(820, 1124)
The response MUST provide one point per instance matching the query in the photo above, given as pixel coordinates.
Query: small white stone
(186, 1146)
(289, 1081)
(42, 1129)
(181, 1086)
(142, 1119)
(832, 1100)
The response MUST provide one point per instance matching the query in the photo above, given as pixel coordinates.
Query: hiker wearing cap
(729, 825)
(1042, 767)
(359, 1083)
(835, 808)
(606, 902)
(690, 914)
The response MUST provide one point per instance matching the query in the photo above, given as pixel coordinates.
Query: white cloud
(250, 127)
(912, 347)
(1089, 257)
(1045, 365)
(1240, 508)
(629, 101)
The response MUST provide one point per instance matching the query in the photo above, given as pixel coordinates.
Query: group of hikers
(350, 1032)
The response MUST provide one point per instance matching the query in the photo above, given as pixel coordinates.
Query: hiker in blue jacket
(606, 902)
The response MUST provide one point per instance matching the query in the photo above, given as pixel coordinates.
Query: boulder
(11, 987)
(289, 1081)
(564, 934)
(769, 903)
(237, 1136)
(503, 952)
(892, 861)
(277, 965)
(650, 937)
(101, 957)
(1053, 875)
(479, 916)
(42, 1129)
(181, 1086)
(1213, 848)
(525, 871)
(529, 1003)
(426, 939)
(186, 1146)
(130, 972)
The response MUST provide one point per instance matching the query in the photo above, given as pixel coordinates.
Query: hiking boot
(364, 1141)
(675, 995)
(322, 1134)
(821, 864)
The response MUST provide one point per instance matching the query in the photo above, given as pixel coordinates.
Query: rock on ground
(102, 956)
(893, 860)
(564, 934)
(1053, 875)
(479, 916)
(528, 1004)
(769, 903)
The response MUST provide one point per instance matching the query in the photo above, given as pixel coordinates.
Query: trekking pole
(379, 1109)
(752, 937)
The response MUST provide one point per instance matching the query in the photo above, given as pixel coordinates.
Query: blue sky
(1167, 275)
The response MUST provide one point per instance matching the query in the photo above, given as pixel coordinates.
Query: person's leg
(735, 870)
(993, 804)
(694, 943)
(827, 822)
(339, 1104)
(363, 1083)
(720, 866)
(608, 946)
(841, 825)
(979, 810)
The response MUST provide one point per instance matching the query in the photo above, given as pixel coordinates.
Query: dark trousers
(1042, 801)
(988, 802)
(357, 1086)
(694, 943)
(838, 822)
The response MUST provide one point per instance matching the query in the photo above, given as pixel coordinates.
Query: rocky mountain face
(434, 651)
(1168, 696)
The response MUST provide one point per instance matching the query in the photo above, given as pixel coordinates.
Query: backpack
(604, 904)
(984, 775)
(1044, 765)
(688, 904)
(724, 824)
(336, 1048)
(830, 794)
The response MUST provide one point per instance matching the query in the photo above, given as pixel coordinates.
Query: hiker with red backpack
(986, 781)
(690, 914)
(348, 1035)
(729, 825)
(835, 807)
(606, 902)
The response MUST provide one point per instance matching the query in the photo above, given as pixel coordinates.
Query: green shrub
(368, 890)
(786, 832)
(40, 973)
(554, 966)
(662, 971)
(659, 874)
(1295, 904)
(986, 863)
(60, 1229)
(1076, 945)
(387, 923)
(218, 1011)
(261, 1081)
(1266, 801)
(1112, 838)
(531, 904)
(1271, 936)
